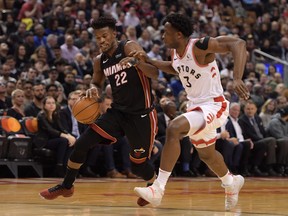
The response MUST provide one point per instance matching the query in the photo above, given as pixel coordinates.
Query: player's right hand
(140, 55)
(92, 93)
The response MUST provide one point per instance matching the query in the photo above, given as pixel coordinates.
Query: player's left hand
(241, 89)
(128, 62)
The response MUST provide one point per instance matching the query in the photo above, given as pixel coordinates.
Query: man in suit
(252, 128)
(236, 135)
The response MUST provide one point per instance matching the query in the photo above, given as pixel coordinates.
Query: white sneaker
(152, 194)
(232, 192)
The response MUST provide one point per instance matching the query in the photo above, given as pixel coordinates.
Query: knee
(144, 170)
(271, 142)
(173, 130)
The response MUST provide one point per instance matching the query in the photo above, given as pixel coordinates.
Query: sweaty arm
(148, 69)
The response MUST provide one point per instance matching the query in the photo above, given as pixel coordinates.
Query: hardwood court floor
(102, 196)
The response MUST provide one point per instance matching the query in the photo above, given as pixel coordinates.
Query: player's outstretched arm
(164, 66)
(148, 69)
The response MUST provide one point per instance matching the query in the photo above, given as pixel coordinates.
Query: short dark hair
(104, 21)
(181, 22)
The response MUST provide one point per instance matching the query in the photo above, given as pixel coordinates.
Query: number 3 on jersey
(188, 84)
(121, 78)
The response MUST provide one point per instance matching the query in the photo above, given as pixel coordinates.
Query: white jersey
(201, 82)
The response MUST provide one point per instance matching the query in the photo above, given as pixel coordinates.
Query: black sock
(70, 177)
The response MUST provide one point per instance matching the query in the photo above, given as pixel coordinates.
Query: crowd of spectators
(47, 49)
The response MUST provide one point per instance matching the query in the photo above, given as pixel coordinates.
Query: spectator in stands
(39, 53)
(267, 111)
(21, 57)
(51, 42)
(33, 108)
(79, 64)
(68, 50)
(52, 135)
(131, 18)
(5, 102)
(240, 160)
(5, 72)
(31, 9)
(39, 36)
(52, 77)
(281, 101)
(52, 91)
(69, 84)
(145, 40)
(10, 87)
(28, 93)
(252, 128)
(29, 43)
(278, 128)
(3, 52)
(17, 110)
(13, 71)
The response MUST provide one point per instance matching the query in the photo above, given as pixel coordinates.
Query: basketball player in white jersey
(193, 60)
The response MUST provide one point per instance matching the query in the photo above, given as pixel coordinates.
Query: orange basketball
(86, 110)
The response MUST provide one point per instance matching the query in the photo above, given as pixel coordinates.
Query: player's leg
(77, 158)
(140, 132)
(215, 162)
(178, 128)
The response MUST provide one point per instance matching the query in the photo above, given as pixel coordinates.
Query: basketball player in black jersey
(132, 113)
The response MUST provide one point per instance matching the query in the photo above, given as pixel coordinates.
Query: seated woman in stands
(17, 110)
(52, 135)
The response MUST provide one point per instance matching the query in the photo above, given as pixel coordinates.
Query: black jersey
(131, 89)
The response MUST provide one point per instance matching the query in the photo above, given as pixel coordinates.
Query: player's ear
(179, 35)
(115, 34)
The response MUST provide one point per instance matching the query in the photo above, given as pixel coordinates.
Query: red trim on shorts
(199, 142)
(146, 88)
(154, 128)
(223, 107)
(103, 133)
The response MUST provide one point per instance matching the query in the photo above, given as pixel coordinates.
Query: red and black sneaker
(54, 192)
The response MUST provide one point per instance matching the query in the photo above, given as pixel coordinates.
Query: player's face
(169, 36)
(105, 38)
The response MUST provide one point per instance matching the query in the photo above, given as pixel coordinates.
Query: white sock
(227, 179)
(162, 178)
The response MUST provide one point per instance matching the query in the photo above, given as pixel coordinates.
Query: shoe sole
(142, 202)
(52, 198)
(147, 200)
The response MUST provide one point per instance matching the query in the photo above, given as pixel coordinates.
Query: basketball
(86, 110)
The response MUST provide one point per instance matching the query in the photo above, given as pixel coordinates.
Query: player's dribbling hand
(92, 93)
(241, 89)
